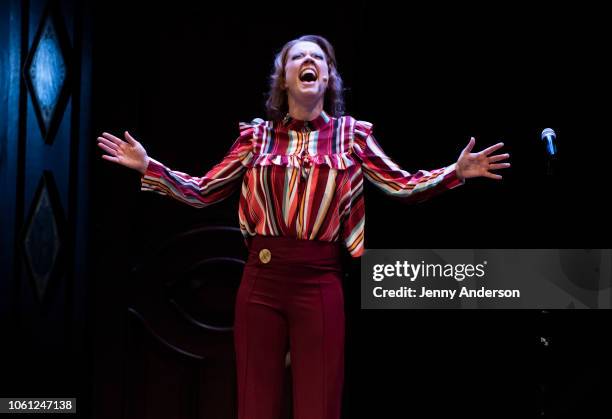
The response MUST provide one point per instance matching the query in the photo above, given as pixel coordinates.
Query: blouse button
(265, 255)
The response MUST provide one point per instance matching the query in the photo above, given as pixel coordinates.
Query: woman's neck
(304, 111)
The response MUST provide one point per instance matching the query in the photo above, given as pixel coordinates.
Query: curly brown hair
(277, 105)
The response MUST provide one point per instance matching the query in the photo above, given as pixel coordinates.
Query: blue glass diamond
(42, 242)
(47, 71)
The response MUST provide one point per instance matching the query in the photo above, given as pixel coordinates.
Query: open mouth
(308, 75)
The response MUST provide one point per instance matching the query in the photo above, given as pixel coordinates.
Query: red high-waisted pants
(290, 298)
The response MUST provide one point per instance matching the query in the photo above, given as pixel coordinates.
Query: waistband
(281, 251)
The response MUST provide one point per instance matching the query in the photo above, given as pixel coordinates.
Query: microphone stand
(544, 344)
(551, 165)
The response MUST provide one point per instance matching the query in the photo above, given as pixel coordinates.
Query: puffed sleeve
(383, 172)
(216, 185)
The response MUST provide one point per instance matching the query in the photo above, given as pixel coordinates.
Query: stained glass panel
(47, 71)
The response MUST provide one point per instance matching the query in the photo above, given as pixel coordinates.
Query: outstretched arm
(383, 172)
(216, 185)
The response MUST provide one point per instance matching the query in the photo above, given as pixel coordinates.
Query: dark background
(180, 76)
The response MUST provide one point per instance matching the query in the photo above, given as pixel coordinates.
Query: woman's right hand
(129, 154)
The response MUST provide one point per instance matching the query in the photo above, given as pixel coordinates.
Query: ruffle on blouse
(362, 129)
(255, 124)
(338, 161)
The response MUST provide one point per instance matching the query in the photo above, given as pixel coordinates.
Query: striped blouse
(301, 179)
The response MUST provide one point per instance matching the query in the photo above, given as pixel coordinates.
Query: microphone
(549, 136)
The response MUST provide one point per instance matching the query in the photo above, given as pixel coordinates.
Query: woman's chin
(309, 93)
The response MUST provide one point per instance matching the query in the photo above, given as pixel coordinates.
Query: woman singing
(301, 174)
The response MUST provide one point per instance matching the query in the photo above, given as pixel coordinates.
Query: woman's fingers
(491, 149)
(499, 166)
(109, 150)
(492, 176)
(108, 143)
(470, 145)
(112, 138)
(498, 157)
(129, 138)
(110, 158)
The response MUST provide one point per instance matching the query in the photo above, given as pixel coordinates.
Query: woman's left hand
(478, 164)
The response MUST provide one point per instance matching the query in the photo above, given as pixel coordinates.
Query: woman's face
(306, 72)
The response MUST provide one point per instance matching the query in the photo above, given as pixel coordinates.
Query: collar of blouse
(314, 125)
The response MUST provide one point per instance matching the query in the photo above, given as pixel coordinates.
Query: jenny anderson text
(424, 292)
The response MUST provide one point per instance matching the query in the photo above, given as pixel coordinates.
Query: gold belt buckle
(265, 255)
